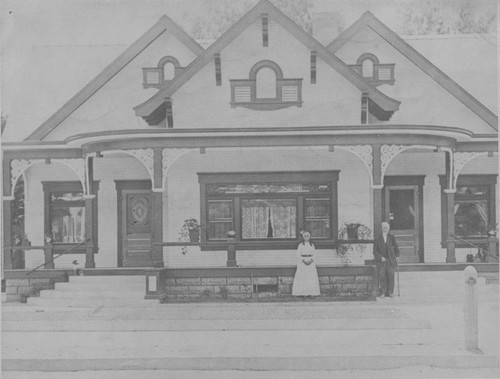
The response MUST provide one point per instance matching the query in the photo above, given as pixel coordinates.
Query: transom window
(268, 210)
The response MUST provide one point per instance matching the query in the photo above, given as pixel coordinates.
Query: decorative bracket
(146, 157)
(363, 152)
(18, 168)
(460, 159)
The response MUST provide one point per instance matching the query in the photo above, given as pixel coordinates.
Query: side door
(136, 227)
(402, 212)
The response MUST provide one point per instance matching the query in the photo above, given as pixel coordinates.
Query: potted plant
(352, 231)
(190, 232)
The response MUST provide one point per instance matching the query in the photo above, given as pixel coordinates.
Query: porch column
(450, 208)
(377, 187)
(90, 207)
(7, 215)
(157, 188)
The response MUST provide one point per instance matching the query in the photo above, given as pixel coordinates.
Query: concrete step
(105, 294)
(91, 302)
(75, 287)
(215, 325)
(108, 279)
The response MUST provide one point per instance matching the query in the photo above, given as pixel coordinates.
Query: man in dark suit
(386, 253)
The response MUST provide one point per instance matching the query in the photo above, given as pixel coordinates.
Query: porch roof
(85, 143)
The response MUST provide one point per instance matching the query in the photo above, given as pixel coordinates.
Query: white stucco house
(266, 132)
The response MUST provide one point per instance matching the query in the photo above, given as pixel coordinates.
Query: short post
(48, 252)
(231, 248)
(492, 246)
(470, 310)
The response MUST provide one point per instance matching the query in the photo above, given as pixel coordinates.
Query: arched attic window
(266, 88)
(165, 70)
(369, 67)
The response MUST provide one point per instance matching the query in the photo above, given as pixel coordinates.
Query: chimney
(326, 26)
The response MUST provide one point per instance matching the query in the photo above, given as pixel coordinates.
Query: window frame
(468, 180)
(308, 177)
(68, 186)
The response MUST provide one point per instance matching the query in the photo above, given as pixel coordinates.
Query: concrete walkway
(401, 337)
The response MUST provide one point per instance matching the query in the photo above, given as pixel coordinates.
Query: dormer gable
(243, 90)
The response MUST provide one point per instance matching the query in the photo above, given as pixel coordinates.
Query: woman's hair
(303, 242)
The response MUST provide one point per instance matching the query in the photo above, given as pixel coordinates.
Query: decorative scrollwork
(78, 166)
(146, 157)
(363, 152)
(18, 167)
(460, 159)
(388, 152)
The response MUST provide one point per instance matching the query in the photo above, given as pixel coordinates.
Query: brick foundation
(221, 284)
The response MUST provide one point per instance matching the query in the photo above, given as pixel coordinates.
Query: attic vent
(289, 93)
(242, 94)
(265, 30)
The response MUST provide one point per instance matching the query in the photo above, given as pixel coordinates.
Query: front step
(95, 291)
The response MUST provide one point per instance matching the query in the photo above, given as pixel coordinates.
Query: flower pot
(352, 231)
(194, 235)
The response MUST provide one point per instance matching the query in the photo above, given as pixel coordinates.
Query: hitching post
(470, 309)
(231, 249)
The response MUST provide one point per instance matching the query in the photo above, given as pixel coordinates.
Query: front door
(402, 212)
(136, 227)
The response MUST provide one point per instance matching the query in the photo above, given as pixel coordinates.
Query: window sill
(267, 105)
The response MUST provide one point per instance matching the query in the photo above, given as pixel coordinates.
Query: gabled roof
(265, 7)
(370, 21)
(163, 24)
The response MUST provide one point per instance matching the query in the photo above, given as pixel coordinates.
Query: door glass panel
(402, 209)
(138, 214)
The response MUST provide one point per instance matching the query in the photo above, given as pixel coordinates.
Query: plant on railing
(190, 232)
(352, 231)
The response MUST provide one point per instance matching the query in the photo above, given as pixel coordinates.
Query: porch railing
(492, 242)
(48, 251)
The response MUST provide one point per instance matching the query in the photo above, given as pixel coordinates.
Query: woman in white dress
(306, 282)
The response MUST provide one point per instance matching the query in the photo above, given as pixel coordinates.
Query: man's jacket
(389, 250)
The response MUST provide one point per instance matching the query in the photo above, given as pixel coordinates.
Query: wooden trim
(169, 112)
(263, 140)
(265, 30)
(264, 6)
(313, 67)
(42, 153)
(218, 71)
(369, 20)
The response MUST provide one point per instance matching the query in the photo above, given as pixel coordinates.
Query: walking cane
(397, 267)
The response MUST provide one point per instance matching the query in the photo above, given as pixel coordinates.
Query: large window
(65, 213)
(474, 207)
(268, 210)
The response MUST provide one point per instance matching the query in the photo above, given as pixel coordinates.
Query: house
(264, 133)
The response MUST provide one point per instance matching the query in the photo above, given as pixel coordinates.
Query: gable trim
(163, 24)
(265, 7)
(369, 20)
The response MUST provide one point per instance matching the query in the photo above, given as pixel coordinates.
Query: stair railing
(483, 251)
(58, 255)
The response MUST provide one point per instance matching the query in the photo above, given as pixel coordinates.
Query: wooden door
(402, 212)
(136, 227)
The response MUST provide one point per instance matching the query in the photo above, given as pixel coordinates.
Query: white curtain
(284, 221)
